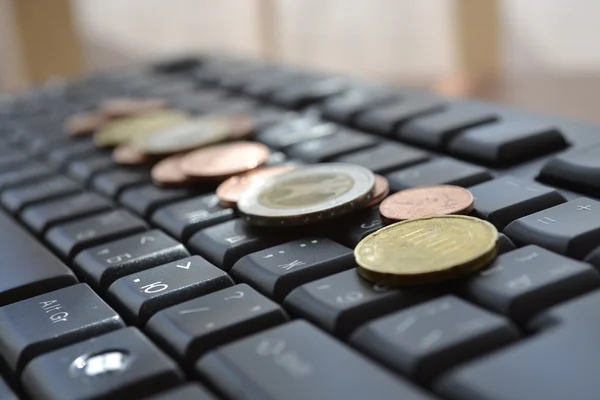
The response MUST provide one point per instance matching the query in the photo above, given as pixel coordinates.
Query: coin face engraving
(308, 194)
(305, 191)
(426, 250)
(426, 201)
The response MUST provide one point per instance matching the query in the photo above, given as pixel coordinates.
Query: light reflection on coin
(309, 194)
(426, 250)
(219, 162)
(229, 191)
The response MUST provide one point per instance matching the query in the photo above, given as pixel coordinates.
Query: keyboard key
(31, 172)
(505, 199)
(28, 268)
(14, 199)
(139, 296)
(277, 270)
(61, 155)
(312, 90)
(83, 170)
(571, 228)
(578, 170)
(328, 147)
(438, 129)
(342, 302)
(40, 217)
(385, 158)
(190, 329)
(557, 363)
(425, 340)
(528, 280)
(112, 183)
(144, 200)
(183, 218)
(227, 242)
(504, 244)
(344, 107)
(297, 130)
(5, 392)
(351, 229)
(295, 362)
(117, 365)
(11, 159)
(508, 143)
(71, 237)
(387, 119)
(52, 320)
(443, 171)
(189, 391)
(102, 265)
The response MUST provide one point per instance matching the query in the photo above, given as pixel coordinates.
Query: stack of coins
(427, 237)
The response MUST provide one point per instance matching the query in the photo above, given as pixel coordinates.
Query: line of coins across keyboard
(427, 238)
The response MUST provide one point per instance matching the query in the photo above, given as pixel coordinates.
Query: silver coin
(198, 132)
(307, 195)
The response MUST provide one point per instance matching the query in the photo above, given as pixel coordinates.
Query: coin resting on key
(309, 194)
(168, 173)
(426, 201)
(123, 107)
(426, 250)
(126, 154)
(230, 191)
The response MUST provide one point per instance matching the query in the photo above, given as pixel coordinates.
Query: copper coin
(124, 107)
(230, 190)
(242, 127)
(84, 123)
(167, 172)
(428, 201)
(221, 161)
(126, 154)
(382, 189)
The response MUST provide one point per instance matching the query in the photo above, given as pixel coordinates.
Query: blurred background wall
(394, 40)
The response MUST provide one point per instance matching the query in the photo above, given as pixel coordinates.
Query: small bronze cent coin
(124, 107)
(382, 189)
(167, 172)
(230, 190)
(84, 123)
(221, 161)
(427, 201)
(126, 154)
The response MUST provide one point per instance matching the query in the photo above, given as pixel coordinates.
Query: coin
(308, 194)
(167, 172)
(84, 123)
(219, 162)
(427, 201)
(382, 189)
(242, 127)
(124, 107)
(426, 250)
(230, 190)
(123, 130)
(125, 154)
(192, 134)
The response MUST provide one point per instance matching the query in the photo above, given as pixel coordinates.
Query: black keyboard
(113, 288)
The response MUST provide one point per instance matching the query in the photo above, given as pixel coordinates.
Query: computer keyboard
(114, 288)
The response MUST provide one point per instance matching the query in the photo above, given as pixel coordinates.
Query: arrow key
(190, 329)
(139, 296)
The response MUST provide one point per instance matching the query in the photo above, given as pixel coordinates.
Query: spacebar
(27, 268)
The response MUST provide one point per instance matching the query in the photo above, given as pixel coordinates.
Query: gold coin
(123, 130)
(426, 250)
